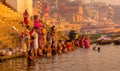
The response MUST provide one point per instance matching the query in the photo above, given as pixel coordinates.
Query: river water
(108, 59)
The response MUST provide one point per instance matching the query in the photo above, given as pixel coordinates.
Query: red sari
(25, 15)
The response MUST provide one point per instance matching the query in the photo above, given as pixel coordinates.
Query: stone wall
(20, 5)
(24, 4)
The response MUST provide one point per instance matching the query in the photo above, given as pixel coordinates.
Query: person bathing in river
(24, 43)
(60, 47)
(40, 52)
(68, 45)
(31, 55)
(76, 42)
(87, 42)
(73, 45)
(81, 42)
(49, 50)
(54, 48)
(65, 50)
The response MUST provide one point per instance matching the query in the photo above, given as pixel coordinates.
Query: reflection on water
(108, 59)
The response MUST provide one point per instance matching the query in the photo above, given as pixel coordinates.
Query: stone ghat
(9, 37)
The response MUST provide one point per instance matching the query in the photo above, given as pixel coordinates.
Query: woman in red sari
(25, 16)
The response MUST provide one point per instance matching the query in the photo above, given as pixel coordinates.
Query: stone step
(1, 35)
(1, 46)
(9, 18)
(7, 41)
(3, 38)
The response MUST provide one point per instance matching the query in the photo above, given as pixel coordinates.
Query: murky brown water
(79, 60)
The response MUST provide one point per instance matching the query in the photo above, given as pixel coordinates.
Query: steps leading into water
(8, 35)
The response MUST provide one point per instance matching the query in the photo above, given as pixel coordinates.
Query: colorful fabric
(25, 15)
(36, 23)
(87, 43)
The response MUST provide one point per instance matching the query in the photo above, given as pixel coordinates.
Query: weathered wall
(20, 5)
(24, 4)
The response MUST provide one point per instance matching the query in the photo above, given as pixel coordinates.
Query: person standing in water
(87, 42)
(81, 42)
